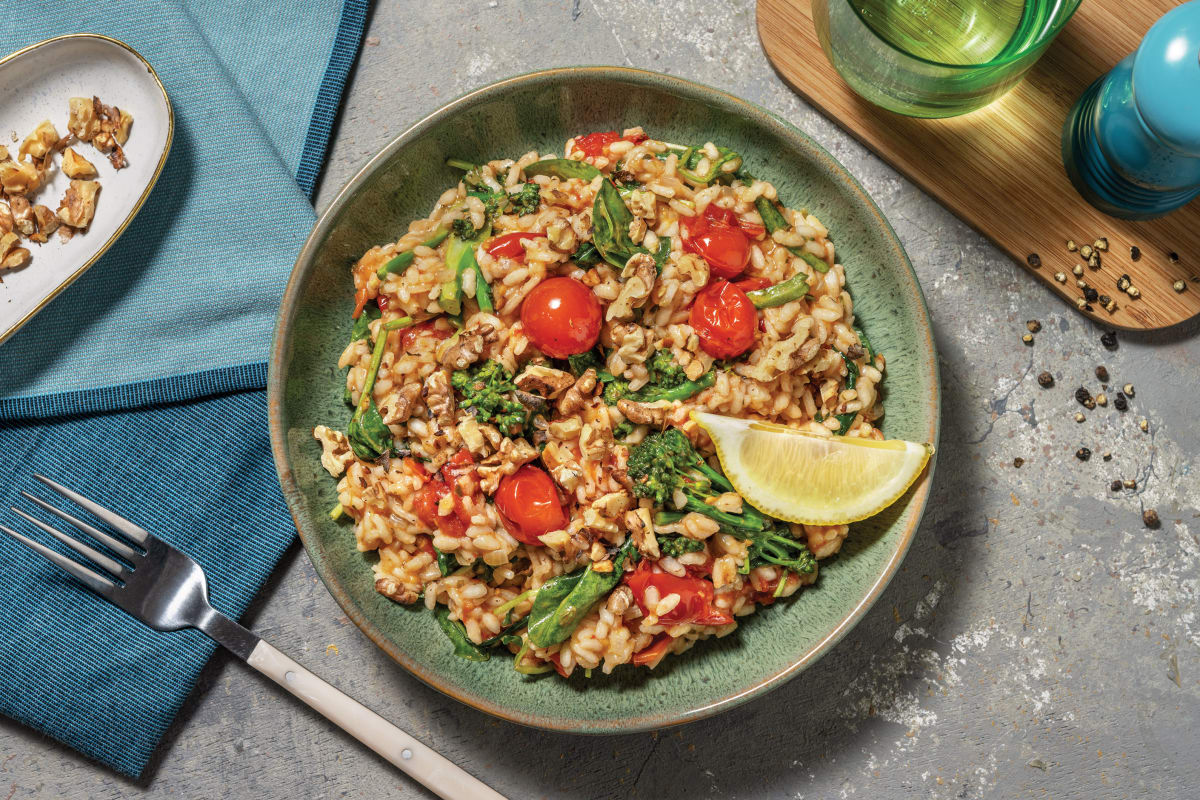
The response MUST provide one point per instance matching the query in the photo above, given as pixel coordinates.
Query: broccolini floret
(664, 372)
(463, 229)
(487, 389)
(664, 463)
(526, 199)
(675, 546)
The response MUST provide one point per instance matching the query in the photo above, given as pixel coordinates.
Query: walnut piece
(40, 142)
(17, 257)
(544, 381)
(47, 223)
(3, 153)
(439, 398)
(22, 212)
(83, 121)
(7, 223)
(402, 409)
(78, 205)
(644, 413)
(394, 590)
(76, 166)
(113, 131)
(19, 177)
(638, 278)
(468, 347)
(8, 243)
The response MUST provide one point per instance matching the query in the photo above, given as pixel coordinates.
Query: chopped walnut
(642, 530)
(47, 223)
(23, 220)
(17, 257)
(394, 590)
(468, 347)
(638, 278)
(573, 399)
(121, 133)
(402, 409)
(83, 121)
(78, 206)
(7, 223)
(336, 454)
(644, 413)
(39, 143)
(545, 381)
(508, 458)
(3, 153)
(439, 398)
(112, 130)
(76, 166)
(19, 177)
(8, 243)
(65, 233)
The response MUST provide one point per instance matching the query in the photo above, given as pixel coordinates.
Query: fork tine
(115, 520)
(117, 546)
(110, 566)
(79, 572)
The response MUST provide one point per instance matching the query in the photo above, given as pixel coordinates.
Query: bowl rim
(277, 379)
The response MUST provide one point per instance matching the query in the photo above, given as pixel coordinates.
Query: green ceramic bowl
(541, 111)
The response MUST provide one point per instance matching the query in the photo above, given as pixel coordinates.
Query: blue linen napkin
(140, 385)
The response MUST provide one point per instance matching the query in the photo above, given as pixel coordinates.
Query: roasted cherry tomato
(528, 503)
(724, 319)
(562, 317)
(509, 245)
(593, 144)
(427, 328)
(715, 237)
(695, 596)
(650, 655)
(425, 505)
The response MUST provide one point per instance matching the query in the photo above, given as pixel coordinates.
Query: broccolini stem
(793, 288)
(683, 391)
(364, 400)
(403, 261)
(734, 522)
(719, 480)
(773, 221)
(458, 163)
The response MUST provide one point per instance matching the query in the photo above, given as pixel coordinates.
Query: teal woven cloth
(141, 385)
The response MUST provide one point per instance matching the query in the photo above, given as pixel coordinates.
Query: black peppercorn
(1083, 454)
(1102, 373)
(1109, 340)
(1120, 403)
(1034, 260)
(1090, 294)
(1150, 518)
(1135, 253)
(1046, 379)
(1115, 486)
(1173, 256)
(1083, 396)
(1018, 461)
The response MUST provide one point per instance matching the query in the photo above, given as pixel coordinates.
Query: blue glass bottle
(1131, 144)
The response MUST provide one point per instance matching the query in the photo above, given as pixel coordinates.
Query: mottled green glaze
(541, 111)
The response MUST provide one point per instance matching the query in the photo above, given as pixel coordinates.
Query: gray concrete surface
(1039, 641)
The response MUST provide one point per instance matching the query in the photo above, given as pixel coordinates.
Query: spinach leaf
(610, 227)
(847, 419)
(664, 252)
(506, 632)
(773, 220)
(447, 563)
(562, 168)
(457, 634)
(545, 606)
(691, 158)
(590, 587)
(369, 436)
(587, 255)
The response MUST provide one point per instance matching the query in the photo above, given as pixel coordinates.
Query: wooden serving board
(1000, 168)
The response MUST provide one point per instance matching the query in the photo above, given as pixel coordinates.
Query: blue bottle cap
(1166, 78)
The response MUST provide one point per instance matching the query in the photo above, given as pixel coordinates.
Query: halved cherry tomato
(750, 229)
(528, 503)
(695, 596)
(562, 317)
(724, 319)
(461, 463)
(417, 469)
(425, 505)
(652, 653)
(509, 245)
(411, 334)
(715, 237)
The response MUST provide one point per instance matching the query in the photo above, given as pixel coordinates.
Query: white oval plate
(35, 84)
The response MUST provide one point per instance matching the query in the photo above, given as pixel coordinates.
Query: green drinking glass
(936, 58)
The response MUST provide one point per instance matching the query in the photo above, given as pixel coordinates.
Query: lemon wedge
(809, 478)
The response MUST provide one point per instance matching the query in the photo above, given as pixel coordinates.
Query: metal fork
(164, 588)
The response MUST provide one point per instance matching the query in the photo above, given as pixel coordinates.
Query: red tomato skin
(529, 505)
(724, 319)
(562, 317)
(652, 653)
(412, 333)
(695, 596)
(509, 245)
(593, 144)
(426, 508)
(752, 284)
(716, 237)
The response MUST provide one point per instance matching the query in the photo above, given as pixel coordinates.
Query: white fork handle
(425, 765)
